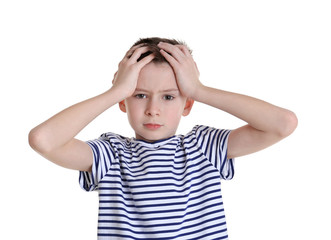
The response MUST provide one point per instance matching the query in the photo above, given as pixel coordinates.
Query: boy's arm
(55, 138)
(267, 124)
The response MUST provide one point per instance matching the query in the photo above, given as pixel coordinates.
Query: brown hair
(153, 48)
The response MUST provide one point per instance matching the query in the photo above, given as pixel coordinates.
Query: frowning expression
(155, 109)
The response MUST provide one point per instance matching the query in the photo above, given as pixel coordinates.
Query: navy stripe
(162, 205)
(164, 231)
(172, 217)
(167, 224)
(162, 184)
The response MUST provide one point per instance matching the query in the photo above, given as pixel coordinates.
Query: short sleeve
(103, 155)
(213, 143)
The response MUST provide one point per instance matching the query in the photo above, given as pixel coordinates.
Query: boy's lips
(152, 126)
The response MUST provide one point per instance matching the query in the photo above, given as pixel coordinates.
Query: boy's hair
(152, 43)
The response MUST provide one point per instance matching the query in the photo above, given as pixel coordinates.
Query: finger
(173, 62)
(132, 49)
(115, 74)
(185, 50)
(135, 47)
(145, 60)
(172, 49)
(196, 66)
(137, 53)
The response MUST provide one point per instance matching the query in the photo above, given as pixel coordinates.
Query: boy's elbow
(289, 124)
(37, 141)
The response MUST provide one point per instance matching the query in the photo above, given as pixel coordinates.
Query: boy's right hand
(128, 71)
(55, 138)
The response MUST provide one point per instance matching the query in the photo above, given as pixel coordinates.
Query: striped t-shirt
(168, 189)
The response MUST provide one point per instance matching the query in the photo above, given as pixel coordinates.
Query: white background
(56, 53)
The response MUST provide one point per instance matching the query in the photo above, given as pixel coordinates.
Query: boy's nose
(152, 108)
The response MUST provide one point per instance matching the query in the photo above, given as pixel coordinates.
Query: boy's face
(156, 107)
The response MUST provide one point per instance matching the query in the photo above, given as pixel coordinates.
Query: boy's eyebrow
(166, 90)
(170, 90)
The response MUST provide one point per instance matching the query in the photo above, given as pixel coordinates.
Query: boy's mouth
(152, 126)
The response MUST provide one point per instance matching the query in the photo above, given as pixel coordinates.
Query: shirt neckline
(155, 144)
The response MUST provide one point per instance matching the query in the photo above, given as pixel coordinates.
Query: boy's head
(152, 43)
(155, 108)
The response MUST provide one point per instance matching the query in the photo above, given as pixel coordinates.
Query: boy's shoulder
(115, 138)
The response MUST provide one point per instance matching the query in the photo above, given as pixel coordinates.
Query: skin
(143, 93)
(156, 106)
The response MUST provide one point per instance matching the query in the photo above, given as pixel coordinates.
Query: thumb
(114, 77)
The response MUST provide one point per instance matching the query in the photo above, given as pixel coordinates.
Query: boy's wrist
(200, 91)
(116, 94)
(121, 91)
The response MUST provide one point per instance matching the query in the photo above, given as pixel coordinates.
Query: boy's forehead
(157, 67)
(157, 75)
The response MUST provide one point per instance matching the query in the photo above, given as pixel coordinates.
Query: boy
(159, 185)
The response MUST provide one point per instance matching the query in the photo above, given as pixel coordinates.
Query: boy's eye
(140, 96)
(168, 97)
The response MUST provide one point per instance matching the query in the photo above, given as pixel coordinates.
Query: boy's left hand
(185, 68)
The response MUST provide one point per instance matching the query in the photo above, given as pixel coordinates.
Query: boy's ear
(122, 106)
(188, 106)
